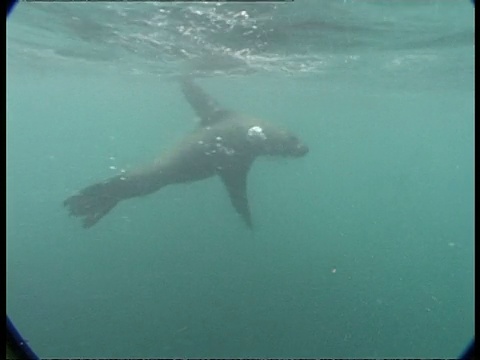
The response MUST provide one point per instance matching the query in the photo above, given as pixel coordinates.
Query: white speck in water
(181, 330)
(112, 157)
(218, 138)
(123, 178)
(112, 167)
(200, 142)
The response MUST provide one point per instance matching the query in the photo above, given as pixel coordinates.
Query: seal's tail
(91, 203)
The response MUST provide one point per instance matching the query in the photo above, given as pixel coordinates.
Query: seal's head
(276, 142)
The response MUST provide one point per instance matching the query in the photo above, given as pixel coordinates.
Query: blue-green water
(364, 248)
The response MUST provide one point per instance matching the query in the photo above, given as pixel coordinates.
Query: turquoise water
(364, 248)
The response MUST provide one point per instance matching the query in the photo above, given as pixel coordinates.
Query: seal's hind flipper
(235, 180)
(91, 204)
(207, 108)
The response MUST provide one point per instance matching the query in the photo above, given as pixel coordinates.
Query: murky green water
(364, 248)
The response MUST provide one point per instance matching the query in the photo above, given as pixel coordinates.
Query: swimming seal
(225, 144)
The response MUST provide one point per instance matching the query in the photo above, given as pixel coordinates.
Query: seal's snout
(301, 150)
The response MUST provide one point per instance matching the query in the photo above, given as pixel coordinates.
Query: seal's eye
(292, 139)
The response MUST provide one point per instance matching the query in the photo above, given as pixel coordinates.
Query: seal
(225, 144)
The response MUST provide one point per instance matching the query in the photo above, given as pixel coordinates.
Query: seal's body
(225, 144)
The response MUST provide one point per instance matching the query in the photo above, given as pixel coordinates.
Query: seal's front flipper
(235, 180)
(207, 108)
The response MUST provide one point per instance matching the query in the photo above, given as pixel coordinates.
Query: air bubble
(256, 132)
